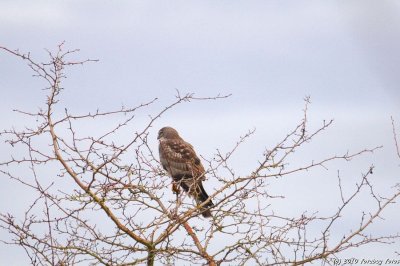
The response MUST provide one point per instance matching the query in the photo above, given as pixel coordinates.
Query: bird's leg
(175, 188)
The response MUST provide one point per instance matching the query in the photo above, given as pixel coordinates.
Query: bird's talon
(176, 189)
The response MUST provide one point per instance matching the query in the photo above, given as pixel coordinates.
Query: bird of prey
(179, 159)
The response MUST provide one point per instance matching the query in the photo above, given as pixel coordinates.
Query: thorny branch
(101, 197)
(395, 138)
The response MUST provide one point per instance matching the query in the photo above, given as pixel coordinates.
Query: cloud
(33, 13)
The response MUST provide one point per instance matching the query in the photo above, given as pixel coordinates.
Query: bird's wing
(179, 158)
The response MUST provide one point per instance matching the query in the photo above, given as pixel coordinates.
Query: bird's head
(167, 133)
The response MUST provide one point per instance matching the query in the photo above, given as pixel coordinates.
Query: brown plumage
(179, 159)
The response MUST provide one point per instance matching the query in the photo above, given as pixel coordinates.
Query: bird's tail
(202, 196)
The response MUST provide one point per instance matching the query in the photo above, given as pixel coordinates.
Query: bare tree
(107, 202)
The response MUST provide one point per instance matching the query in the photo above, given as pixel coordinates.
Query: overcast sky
(268, 54)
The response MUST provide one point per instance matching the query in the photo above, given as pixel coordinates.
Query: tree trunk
(150, 258)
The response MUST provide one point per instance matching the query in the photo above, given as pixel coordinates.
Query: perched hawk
(179, 159)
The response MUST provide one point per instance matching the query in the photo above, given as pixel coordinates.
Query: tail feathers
(202, 196)
(197, 191)
(206, 212)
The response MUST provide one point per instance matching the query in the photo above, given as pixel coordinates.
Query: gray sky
(268, 54)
